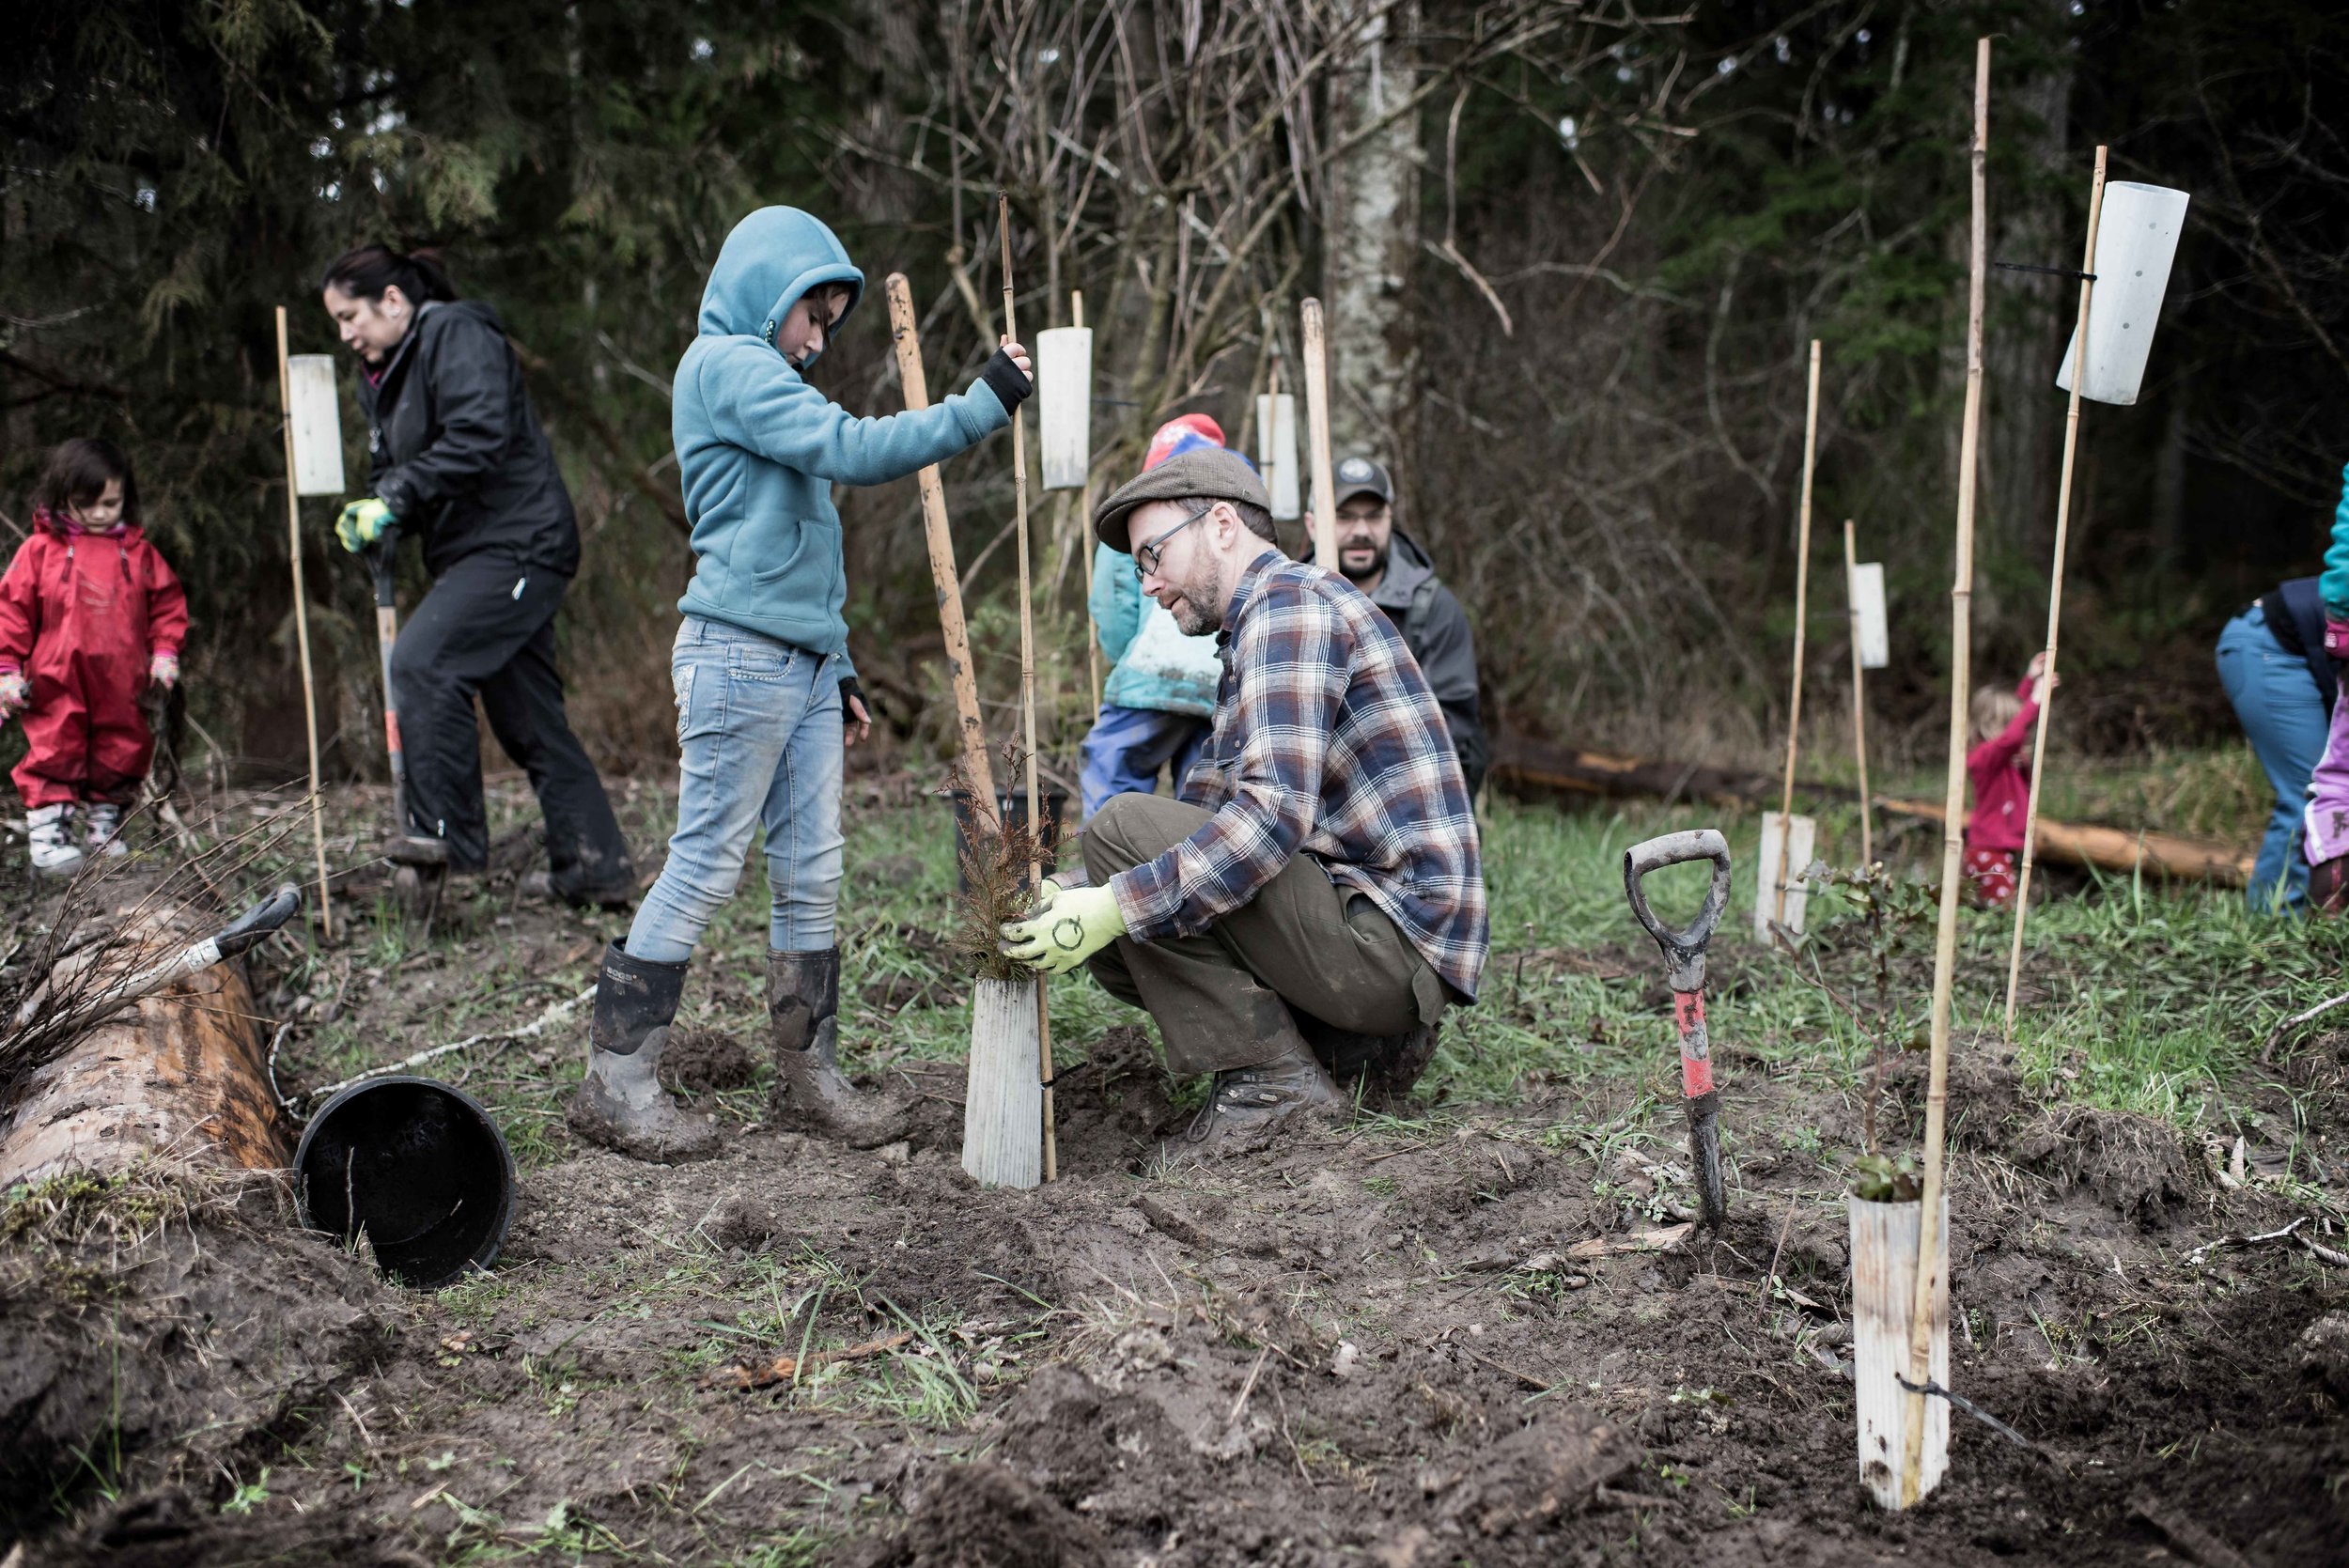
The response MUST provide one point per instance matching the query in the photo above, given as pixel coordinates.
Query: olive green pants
(1222, 999)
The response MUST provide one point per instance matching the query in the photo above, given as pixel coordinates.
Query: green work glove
(363, 524)
(1067, 928)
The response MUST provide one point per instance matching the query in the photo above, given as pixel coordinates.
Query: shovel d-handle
(1684, 949)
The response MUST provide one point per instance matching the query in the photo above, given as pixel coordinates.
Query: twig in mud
(2201, 1254)
(2198, 1544)
(1295, 1452)
(1537, 1385)
(553, 1014)
(787, 1369)
(2276, 1037)
(1610, 1497)
(1240, 1405)
(2322, 1254)
(1762, 1291)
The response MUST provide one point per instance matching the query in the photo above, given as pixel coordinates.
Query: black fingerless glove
(850, 690)
(1004, 379)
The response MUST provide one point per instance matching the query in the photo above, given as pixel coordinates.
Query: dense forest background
(1573, 253)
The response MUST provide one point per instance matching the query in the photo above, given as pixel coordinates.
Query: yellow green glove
(1067, 928)
(363, 524)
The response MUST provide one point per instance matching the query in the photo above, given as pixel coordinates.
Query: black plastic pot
(419, 1168)
(1011, 809)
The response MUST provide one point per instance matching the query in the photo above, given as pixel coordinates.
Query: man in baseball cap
(1389, 565)
(1322, 858)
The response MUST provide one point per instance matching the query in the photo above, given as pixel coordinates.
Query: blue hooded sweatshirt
(758, 449)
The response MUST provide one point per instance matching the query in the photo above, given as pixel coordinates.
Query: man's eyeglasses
(1147, 555)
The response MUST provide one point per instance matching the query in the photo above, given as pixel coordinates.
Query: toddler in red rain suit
(90, 616)
(2002, 721)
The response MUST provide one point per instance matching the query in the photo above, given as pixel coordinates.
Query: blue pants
(1128, 746)
(759, 724)
(2280, 710)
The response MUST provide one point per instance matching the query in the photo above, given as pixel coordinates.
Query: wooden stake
(1084, 528)
(1027, 670)
(1859, 702)
(2045, 693)
(1931, 1254)
(978, 772)
(1802, 612)
(1317, 437)
(301, 630)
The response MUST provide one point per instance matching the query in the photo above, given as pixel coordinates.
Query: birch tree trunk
(1370, 231)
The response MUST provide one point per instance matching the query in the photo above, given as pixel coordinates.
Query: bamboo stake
(1027, 670)
(1324, 522)
(302, 629)
(978, 773)
(2045, 691)
(1084, 529)
(1929, 1238)
(1858, 700)
(1802, 612)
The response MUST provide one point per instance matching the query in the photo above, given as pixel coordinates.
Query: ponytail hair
(76, 475)
(365, 271)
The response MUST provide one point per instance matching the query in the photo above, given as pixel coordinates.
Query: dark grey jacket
(455, 450)
(1436, 630)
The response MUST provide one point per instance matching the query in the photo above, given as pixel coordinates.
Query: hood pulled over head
(773, 256)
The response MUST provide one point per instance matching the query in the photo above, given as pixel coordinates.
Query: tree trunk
(1371, 230)
(182, 1075)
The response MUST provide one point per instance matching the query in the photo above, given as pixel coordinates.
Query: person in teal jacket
(1162, 689)
(765, 697)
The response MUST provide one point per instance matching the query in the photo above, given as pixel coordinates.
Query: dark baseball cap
(1202, 473)
(1359, 475)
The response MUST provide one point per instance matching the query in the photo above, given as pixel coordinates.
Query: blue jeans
(759, 724)
(1127, 746)
(2277, 702)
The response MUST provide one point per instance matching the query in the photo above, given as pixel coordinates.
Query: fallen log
(180, 1073)
(2116, 848)
(1525, 765)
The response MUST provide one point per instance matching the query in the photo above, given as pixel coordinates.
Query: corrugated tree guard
(1931, 1283)
(1684, 959)
(418, 1168)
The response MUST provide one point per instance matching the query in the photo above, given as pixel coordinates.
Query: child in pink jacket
(2002, 723)
(90, 616)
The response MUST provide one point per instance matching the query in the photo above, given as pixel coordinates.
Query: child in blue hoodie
(765, 697)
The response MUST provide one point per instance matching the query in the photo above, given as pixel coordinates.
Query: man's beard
(1376, 567)
(1190, 618)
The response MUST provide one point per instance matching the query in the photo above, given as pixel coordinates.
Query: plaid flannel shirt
(1326, 741)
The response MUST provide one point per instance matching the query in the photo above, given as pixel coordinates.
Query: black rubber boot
(803, 1019)
(1248, 1105)
(1385, 1065)
(621, 1104)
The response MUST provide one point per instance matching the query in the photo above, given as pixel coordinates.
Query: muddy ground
(1381, 1343)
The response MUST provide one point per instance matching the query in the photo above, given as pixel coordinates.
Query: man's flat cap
(1206, 473)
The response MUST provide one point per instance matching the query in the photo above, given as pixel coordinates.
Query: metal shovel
(1684, 959)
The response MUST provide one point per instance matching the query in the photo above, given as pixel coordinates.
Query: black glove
(1004, 379)
(848, 688)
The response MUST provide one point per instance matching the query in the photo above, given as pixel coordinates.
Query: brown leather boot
(1248, 1105)
(811, 1090)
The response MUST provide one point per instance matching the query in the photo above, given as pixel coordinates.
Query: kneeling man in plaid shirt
(1313, 898)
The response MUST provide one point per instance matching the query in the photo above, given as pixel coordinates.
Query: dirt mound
(2135, 1164)
(163, 1311)
(985, 1515)
(706, 1060)
(168, 1528)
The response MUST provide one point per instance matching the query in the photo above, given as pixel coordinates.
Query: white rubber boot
(53, 852)
(105, 827)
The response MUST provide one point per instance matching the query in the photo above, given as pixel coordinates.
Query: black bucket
(415, 1165)
(1011, 809)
